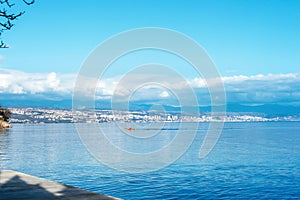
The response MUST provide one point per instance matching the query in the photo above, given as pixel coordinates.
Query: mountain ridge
(270, 110)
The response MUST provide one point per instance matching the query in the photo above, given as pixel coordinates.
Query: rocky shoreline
(4, 118)
(4, 125)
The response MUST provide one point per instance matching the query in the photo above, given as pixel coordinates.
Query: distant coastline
(43, 115)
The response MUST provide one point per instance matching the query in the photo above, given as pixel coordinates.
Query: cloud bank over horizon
(255, 89)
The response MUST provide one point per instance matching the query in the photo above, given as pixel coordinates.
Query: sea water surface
(251, 160)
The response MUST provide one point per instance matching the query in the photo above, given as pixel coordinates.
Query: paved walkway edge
(17, 185)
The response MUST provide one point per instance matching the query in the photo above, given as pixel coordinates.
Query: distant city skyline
(38, 115)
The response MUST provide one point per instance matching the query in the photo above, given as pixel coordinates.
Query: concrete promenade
(16, 185)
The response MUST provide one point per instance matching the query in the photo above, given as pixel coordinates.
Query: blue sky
(242, 37)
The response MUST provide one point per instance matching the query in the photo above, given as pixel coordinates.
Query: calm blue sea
(250, 161)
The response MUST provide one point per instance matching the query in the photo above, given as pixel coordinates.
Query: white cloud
(270, 88)
(105, 88)
(18, 82)
(164, 94)
(198, 83)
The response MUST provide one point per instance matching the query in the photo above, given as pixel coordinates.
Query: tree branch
(3, 13)
(3, 45)
(7, 25)
(7, 18)
(29, 3)
(7, 3)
